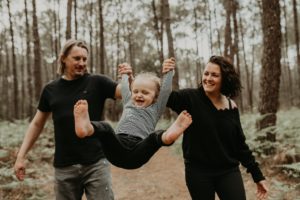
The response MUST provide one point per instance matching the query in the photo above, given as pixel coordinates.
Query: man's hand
(19, 168)
(125, 68)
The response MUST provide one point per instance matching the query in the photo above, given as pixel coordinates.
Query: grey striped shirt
(141, 122)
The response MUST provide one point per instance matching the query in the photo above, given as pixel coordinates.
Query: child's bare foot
(83, 126)
(182, 122)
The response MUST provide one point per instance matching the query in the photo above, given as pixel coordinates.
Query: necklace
(65, 77)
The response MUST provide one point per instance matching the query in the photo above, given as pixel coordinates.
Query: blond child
(135, 140)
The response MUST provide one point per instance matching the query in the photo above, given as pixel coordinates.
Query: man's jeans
(94, 180)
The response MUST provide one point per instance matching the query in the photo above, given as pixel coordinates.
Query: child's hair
(150, 76)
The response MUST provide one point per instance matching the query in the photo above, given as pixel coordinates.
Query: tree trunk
(2, 77)
(91, 30)
(23, 82)
(218, 32)
(52, 44)
(228, 39)
(102, 55)
(270, 72)
(248, 74)
(69, 19)
(198, 64)
(208, 14)
(167, 21)
(28, 65)
(97, 43)
(15, 110)
(161, 18)
(37, 54)
(59, 35)
(158, 33)
(75, 19)
(7, 95)
(297, 44)
(130, 44)
(289, 87)
(252, 76)
(236, 48)
(118, 38)
(118, 61)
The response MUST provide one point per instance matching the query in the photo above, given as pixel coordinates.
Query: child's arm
(125, 90)
(125, 72)
(166, 85)
(123, 68)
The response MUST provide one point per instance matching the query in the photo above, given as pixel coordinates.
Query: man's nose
(81, 62)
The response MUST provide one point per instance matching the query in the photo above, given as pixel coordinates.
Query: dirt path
(161, 178)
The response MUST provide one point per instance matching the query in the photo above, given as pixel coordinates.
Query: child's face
(143, 92)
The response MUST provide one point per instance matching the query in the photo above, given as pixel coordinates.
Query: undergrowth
(282, 169)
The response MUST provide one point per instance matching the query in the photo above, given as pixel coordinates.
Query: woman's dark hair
(231, 83)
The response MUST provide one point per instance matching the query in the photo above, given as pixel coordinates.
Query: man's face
(75, 63)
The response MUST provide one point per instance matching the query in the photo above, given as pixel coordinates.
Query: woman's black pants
(203, 184)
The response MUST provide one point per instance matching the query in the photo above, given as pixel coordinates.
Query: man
(80, 165)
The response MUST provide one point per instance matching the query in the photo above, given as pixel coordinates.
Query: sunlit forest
(260, 37)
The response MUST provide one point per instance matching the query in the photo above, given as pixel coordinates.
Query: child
(135, 141)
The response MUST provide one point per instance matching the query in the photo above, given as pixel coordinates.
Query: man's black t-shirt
(59, 97)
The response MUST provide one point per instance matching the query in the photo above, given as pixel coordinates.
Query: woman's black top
(215, 140)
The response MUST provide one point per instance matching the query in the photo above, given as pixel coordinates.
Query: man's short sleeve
(109, 86)
(44, 105)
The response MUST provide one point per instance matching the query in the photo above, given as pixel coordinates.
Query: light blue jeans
(94, 180)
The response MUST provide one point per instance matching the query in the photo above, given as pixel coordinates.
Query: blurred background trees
(260, 37)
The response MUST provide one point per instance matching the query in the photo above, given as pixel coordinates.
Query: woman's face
(75, 63)
(212, 79)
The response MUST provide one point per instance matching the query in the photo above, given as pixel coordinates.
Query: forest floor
(162, 178)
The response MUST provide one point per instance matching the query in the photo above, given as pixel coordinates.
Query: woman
(214, 145)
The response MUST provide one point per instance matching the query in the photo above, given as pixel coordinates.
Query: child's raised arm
(125, 71)
(166, 84)
(123, 68)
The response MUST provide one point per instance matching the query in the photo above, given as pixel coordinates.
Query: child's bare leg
(182, 122)
(83, 126)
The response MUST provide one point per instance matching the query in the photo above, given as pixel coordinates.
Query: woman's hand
(168, 65)
(262, 190)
